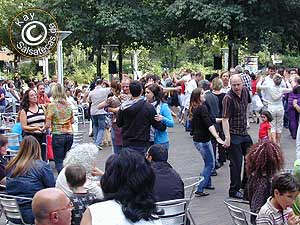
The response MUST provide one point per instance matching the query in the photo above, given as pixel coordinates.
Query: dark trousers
(61, 144)
(237, 151)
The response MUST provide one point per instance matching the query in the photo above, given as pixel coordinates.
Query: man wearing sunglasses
(51, 206)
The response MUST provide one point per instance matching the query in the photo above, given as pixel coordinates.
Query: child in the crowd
(81, 198)
(296, 205)
(17, 129)
(264, 132)
(277, 210)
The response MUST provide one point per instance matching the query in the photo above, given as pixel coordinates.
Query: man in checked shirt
(237, 139)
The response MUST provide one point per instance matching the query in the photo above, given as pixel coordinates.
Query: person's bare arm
(102, 105)
(225, 124)
(113, 110)
(86, 218)
(295, 105)
(214, 133)
(3, 181)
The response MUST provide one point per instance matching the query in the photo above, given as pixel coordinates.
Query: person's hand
(220, 141)
(293, 219)
(123, 97)
(158, 117)
(295, 102)
(226, 142)
(97, 172)
(40, 129)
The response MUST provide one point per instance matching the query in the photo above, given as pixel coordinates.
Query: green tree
(96, 23)
(271, 22)
(8, 10)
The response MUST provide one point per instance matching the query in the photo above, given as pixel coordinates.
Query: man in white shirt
(98, 95)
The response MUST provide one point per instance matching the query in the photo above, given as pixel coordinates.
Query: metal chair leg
(191, 217)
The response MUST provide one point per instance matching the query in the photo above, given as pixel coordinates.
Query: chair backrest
(13, 141)
(80, 114)
(287, 171)
(77, 138)
(173, 212)
(9, 119)
(190, 186)
(11, 209)
(238, 214)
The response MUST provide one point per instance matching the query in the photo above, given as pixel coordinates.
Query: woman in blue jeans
(203, 130)
(60, 119)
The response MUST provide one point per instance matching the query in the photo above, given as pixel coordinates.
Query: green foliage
(27, 69)
(290, 61)
(78, 67)
(8, 10)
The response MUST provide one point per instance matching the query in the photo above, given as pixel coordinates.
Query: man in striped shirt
(277, 210)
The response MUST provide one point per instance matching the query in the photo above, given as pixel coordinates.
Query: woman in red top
(264, 132)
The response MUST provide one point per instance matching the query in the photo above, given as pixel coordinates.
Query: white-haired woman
(60, 118)
(85, 155)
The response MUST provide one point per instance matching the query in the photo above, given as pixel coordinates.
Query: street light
(60, 65)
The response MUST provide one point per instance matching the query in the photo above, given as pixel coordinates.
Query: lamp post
(60, 66)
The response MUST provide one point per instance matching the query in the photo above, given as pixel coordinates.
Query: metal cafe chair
(239, 215)
(11, 209)
(173, 212)
(190, 186)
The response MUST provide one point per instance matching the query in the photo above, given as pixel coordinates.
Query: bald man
(51, 206)
(237, 139)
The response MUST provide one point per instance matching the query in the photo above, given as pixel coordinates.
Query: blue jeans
(2, 108)
(165, 145)
(116, 148)
(61, 144)
(207, 153)
(98, 128)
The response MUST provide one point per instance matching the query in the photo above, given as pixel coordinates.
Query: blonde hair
(58, 93)
(30, 151)
(217, 84)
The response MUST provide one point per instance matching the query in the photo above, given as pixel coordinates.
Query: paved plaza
(187, 161)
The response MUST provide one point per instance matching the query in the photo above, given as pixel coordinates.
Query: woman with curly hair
(32, 118)
(263, 161)
(84, 155)
(127, 185)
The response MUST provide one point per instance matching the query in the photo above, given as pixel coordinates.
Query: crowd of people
(134, 117)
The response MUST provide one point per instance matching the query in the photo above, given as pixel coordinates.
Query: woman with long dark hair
(202, 130)
(154, 94)
(127, 185)
(32, 118)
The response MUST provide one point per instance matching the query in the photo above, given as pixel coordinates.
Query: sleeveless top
(36, 119)
(110, 213)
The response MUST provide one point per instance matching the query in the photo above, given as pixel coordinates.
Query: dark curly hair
(25, 100)
(264, 159)
(129, 180)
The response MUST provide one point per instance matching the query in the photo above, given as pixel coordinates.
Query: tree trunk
(120, 61)
(233, 55)
(99, 53)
